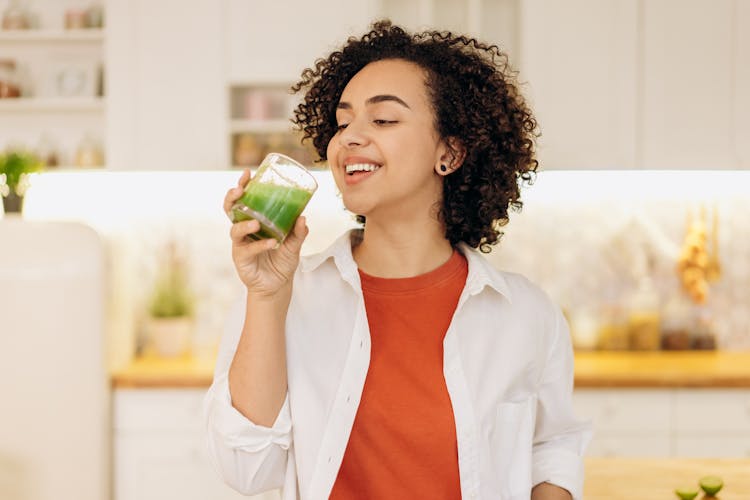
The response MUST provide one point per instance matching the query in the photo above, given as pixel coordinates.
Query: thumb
(295, 239)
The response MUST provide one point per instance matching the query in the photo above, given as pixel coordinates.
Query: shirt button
(330, 459)
(348, 398)
(361, 344)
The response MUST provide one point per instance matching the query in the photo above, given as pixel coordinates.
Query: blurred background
(124, 122)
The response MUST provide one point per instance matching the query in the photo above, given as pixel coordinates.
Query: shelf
(42, 104)
(83, 35)
(260, 126)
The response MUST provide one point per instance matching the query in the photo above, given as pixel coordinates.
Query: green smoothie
(275, 207)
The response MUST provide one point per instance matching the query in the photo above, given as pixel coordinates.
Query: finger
(239, 230)
(244, 178)
(295, 239)
(231, 197)
(249, 248)
(236, 192)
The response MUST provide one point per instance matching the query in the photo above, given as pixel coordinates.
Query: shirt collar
(341, 253)
(481, 273)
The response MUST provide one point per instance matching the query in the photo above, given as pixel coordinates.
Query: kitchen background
(143, 112)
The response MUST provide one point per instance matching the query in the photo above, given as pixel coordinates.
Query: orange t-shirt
(403, 441)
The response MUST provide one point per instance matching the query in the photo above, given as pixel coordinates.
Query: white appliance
(54, 408)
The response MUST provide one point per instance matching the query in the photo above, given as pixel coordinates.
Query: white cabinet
(166, 85)
(580, 61)
(160, 450)
(492, 21)
(712, 423)
(627, 422)
(687, 423)
(655, 84)
(687, 108)
(275, 41)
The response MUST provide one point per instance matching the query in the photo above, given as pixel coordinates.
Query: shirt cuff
(561, 468)
(237, 431)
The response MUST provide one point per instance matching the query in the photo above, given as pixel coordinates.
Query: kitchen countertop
(710, 369)
(656, 479)
(152, 371)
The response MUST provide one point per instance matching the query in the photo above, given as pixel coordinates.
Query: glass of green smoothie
(275, 196)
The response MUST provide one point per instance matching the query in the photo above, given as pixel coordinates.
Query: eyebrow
(374, 100)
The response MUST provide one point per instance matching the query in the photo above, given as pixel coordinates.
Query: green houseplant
(170, 308)
(15, 165)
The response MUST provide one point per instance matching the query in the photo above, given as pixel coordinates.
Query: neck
(402, 248)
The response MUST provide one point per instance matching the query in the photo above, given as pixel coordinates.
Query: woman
(398, 363)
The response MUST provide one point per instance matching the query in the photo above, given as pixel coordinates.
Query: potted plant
(170, 309)
(15, 165)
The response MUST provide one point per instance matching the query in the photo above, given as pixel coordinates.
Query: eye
(342, 126)
(384, 122)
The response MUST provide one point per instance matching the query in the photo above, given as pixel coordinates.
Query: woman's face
(384, 155)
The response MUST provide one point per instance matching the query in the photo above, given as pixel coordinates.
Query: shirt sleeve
(560, 439)
(250, 458)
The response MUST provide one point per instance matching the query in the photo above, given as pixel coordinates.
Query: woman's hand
(263, 269)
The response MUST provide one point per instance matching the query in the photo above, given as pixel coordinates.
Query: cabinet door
(275, 41)
(579, 59)
(627, 422)
(155, 467)
(741, 32)
(687, 112)
(166, 85)
(653, 445)
(712, 446)
(627, 411)
(160, 450)
(712, 411)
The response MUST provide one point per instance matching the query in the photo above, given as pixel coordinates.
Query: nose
(353, 135)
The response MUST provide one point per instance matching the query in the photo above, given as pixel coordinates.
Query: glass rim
(295, 162)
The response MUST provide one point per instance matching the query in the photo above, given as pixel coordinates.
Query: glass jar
(644, 318)
(15, 16)
(95, 16)
(676, 324)
(89, 154)
(75, 19)
(704, 334)
(9, 86)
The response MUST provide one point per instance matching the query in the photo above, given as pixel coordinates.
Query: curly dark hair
(476, 100)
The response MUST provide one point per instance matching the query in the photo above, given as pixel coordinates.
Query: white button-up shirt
(508, 366)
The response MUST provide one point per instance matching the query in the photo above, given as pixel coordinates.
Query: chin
(356, 208)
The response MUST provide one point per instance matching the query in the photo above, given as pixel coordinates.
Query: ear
(452, 153)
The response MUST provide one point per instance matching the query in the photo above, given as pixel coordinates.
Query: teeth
(361, 167)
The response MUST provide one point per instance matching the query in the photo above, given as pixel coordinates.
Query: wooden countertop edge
(160, 382)
(135, 382)
(656, 383)
(657, 370)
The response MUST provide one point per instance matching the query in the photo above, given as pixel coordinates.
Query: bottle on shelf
(16, 17)
(9, 86)
(677, 323)
(89, 153)
(47, 152)
(644, 317)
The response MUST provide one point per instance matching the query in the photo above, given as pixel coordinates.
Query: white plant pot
(170, 337)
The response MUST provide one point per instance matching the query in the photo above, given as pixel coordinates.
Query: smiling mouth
(361, 167)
